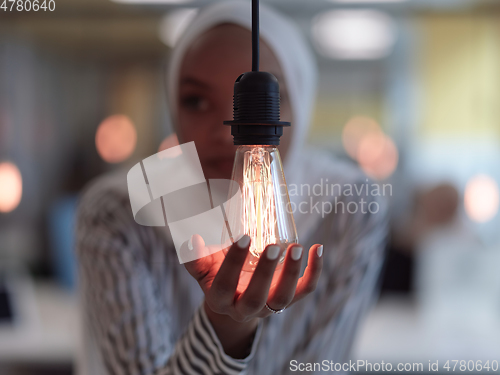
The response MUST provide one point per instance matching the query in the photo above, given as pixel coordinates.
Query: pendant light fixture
(264, 212)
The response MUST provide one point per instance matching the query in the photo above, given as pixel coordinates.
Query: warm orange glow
(481, 198)
(259, 211)
(169, 142)
(356, 129)
(11, 187)
(377, 155)
(115, 138)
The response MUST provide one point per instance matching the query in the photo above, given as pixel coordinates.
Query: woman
(147, 314)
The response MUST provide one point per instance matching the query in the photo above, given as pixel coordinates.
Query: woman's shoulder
(339, 180)
(105, 193)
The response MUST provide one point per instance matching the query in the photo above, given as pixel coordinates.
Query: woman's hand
(234, 313)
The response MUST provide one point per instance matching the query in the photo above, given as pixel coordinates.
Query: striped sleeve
(199, 351)
(125, 313)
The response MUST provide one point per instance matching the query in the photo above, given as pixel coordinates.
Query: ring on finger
(275, 311)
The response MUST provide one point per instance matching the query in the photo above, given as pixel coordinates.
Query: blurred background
(409, 90)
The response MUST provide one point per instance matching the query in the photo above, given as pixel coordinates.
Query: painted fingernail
(320, 251)
(190, 243)
(273, 252)
(296, 252)
(244, 242)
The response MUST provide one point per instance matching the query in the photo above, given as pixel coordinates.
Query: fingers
(223, 288)
(307, 283)
(197, 268)
(254, 297)
(283, 293)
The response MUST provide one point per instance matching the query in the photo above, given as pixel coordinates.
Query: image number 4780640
(28, 6)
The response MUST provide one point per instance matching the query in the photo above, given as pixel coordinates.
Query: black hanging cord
(256, 100)
(255, 35)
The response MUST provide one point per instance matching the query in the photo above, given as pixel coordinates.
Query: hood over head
(289, 47)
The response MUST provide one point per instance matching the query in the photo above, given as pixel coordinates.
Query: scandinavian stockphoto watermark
(325, 197)
(169, 188)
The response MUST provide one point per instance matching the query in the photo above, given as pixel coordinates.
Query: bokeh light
(115, 139)
(11, 187)
(354, 34)
(168, 143)
(378, 156)
(481, 198)
(356, 129)
(365, 142)
(367, 1)
(151, 1)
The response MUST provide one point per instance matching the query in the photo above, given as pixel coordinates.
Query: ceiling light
(366, 1)
(151, 1)
(354, 34)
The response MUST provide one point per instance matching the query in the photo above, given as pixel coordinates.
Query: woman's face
(205, 98)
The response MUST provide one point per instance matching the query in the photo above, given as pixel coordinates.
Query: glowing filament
(259, 212)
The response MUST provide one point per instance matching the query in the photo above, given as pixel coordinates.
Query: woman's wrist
(236, 337)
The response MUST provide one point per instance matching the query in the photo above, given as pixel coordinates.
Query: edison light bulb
(263, 212)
